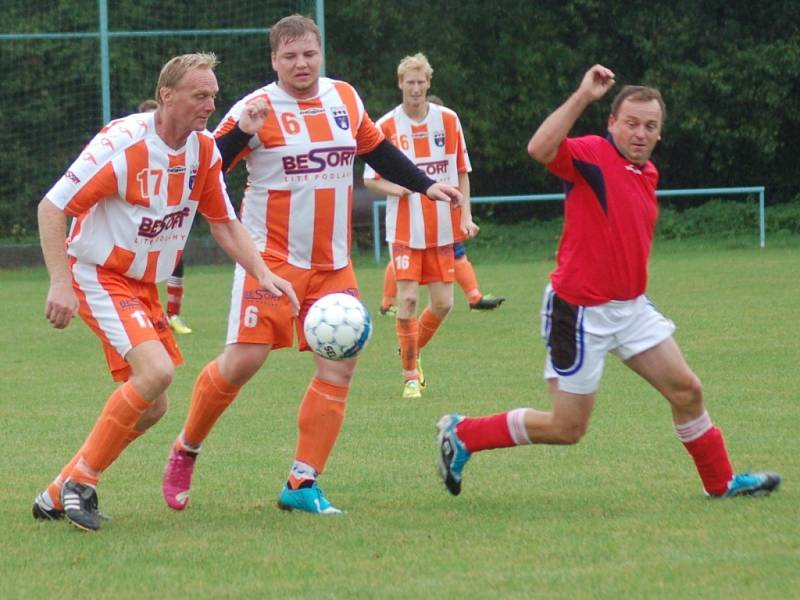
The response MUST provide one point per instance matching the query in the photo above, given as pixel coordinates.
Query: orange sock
(318, 421)
(110, 435)
(466, 278)
(212, 394)
(428, 324)
(54, 489)
(407, 332)
(389, 286)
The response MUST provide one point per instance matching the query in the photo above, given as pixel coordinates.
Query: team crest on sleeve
(341, 117)
(193, 175)
(438, 138)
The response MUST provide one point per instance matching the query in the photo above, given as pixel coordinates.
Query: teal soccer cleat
(753, 484)
(307, 499)
(453, 456)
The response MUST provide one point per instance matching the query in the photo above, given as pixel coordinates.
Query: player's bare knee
(157, 377)
(572, 433)
(408, 305)
(338, 372)
(688, 394)
(441, 309)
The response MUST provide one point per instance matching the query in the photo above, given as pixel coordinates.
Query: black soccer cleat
(488, 302)
(80, 505)
(44, 510)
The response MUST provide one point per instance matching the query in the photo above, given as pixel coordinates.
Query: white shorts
(579, 337)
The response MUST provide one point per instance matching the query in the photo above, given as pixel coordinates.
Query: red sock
(712, 462)
(497, 431)
(174, 295)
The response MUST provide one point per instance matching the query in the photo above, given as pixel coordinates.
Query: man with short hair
(420, 233)
(133, 193)
(297, 207)
(595, 303)
(464, 274)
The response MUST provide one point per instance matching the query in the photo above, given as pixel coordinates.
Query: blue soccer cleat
(753, 484)
(453, 456)
(307, 499)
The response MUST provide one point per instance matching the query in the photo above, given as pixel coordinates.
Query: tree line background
(729, 72)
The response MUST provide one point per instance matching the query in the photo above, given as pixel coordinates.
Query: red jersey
(610, 213)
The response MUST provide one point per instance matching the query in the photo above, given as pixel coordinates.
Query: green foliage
(715, 219)
(730, 75)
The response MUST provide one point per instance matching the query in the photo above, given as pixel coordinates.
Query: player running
(134, 192)
(421, 233)
(595, 302)
(297, 208)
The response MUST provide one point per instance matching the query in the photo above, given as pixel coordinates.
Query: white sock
(516, 426)
(301, 470)
(694, 429)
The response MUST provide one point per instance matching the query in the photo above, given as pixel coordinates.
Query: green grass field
(621, 515)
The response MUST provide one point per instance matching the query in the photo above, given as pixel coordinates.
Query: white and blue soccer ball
(337, 326)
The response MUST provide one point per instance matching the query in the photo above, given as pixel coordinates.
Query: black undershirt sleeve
(393, 166)
(230, 144)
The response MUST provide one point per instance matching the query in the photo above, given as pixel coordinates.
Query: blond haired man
(134, 192)
(421, 233)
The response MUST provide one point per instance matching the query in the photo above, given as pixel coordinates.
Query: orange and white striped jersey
(436, 145)
(298, 202)
(134, 198)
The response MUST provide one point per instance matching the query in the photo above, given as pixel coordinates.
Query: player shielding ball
(134, 192)
(421, 233)
(297, 208)
(595, 303)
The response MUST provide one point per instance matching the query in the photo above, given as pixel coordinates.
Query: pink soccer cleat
(178, 478)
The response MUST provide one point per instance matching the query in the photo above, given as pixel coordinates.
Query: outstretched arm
(544, 144)
(394, 166)
(385, 187)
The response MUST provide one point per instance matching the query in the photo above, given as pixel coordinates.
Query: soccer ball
(337, 326)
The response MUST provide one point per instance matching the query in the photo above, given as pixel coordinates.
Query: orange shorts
(123, 313)
(258, 317)
(423, 265)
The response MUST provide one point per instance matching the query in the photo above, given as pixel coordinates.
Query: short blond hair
(410, 63)
(177, 67)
